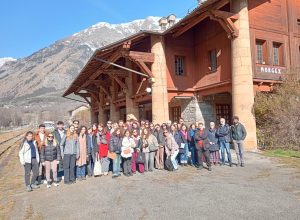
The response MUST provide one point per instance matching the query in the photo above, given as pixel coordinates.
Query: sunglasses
(50, 136)
(165, 132)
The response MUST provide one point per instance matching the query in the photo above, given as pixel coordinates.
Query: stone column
(242, 74)
(160, 105)
(114, 114)
(131, 107)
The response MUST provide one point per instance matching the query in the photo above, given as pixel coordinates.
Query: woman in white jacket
(126, 152)
(29, 158)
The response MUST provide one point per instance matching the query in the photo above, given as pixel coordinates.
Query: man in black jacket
(238, 134)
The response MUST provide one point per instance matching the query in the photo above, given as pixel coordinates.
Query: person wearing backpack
(70, 151)
(115, 148)
(202, 146)
(50, 157)
(171, 148)
(29, 158)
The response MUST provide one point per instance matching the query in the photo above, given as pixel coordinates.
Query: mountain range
(45, 74)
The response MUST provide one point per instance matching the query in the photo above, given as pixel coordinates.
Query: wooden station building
(206, 66)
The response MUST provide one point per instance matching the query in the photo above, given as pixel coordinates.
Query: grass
(282, 153)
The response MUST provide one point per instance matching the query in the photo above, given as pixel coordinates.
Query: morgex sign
(270, 69)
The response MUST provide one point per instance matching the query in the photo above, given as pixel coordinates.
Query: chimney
(200, 2)
(171, 19)
(163, 22)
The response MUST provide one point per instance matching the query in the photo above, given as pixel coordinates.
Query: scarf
(82, 146)
(201, 141)
(185, 134)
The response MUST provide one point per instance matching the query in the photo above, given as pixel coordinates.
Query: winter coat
(38, 140)
(25, 153)
(191, 137)
(92, 145)
(70, 146)
(57, 135)
(223, 133)
(115, 144)
(238, 132)
(203, 137)
(50, 152)
(127, 144)
(103, 148)
(181, 139)
(213, 139)
(160, 137)
(171, 145)
(176, 136)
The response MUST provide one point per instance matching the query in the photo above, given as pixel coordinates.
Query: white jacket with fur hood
(25, 153)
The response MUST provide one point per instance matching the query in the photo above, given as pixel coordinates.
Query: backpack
(168, 164)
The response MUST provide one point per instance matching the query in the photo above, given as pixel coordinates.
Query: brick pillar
(131, 107)
(242, 74)
(160, 105)
(114, 114)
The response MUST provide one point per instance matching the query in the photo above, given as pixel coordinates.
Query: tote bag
(97, 167)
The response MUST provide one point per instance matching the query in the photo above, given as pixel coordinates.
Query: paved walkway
(263, 189)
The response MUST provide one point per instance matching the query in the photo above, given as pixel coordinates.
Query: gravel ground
(263, 189)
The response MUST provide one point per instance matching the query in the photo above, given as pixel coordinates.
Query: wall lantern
(148, 90)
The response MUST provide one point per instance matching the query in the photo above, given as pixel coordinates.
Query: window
(223, 111)
(277, 54)
(213, 60)
(179, 65)
(175, 113)
(261, 51)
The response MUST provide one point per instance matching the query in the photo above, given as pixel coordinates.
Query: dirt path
(264, 189)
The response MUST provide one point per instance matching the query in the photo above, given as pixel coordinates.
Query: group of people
(126, 147)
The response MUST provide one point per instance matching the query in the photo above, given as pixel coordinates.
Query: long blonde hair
(54, 141)
(74, 136)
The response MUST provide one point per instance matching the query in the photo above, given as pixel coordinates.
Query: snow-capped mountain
(51, 69)
(5, 60)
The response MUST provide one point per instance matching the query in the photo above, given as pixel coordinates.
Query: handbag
(182, 148)
(140, 158)
(111, 155)
(97, 167)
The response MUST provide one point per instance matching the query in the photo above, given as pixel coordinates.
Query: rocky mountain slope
(45, 74)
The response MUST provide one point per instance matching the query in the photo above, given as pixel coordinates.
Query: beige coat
(171, 145)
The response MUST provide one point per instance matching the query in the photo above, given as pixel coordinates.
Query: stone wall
(193, 110)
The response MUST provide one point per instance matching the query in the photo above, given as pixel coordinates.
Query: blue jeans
(224, 146)
(184, 156)
(116, 165)
(193, 154)
(173, 159)
(80, 171)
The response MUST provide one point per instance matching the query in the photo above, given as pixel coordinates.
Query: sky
(29, 25)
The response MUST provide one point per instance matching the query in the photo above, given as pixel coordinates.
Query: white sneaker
(48, 186)
(62, 177)
(45, 182)
(56, 184)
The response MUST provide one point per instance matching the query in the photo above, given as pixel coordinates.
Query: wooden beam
(123, 85)
(115, 56)
(226, 19)
(105, 91)
(145, 68)
(141, 56)
(191, 24)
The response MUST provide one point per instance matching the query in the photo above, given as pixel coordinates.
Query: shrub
(278, 116)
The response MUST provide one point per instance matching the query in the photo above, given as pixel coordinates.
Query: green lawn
(282, 153)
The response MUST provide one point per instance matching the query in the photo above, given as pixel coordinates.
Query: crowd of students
(129, 147)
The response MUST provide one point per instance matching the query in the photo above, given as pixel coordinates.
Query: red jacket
(103, 148)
